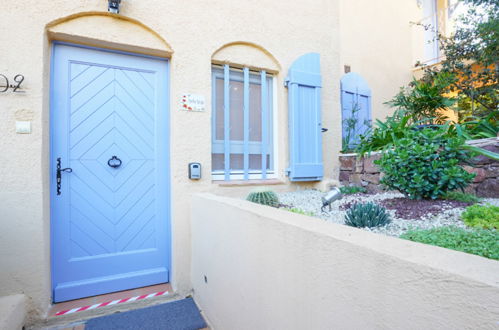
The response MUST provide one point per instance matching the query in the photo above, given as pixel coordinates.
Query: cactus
(367, 215)
(264, 197)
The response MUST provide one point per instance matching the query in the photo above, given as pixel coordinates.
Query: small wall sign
(192, 102)
(5, 84)
(23, 127)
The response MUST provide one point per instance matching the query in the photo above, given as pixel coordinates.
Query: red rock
(471, 189)
(488, 188)
(481, 174)
(355, 178)
(344, 176)
(373, 178)
(359, 165)
(369, 166)
(492, 171)
(347, 163)
(480, 160)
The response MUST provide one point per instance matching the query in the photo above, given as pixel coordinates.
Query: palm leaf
(481, 151)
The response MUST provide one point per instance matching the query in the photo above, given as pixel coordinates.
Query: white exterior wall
(271, 269)
(274, 34)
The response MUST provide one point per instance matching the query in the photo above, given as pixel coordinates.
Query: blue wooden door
(110, 215)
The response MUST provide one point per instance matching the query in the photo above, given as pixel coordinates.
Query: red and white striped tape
(109, 303)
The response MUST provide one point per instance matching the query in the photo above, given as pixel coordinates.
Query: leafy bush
(367, 215)
(461, 197)
(349, 190)
(424, 100)
(385, 133)
(482, 216)
(424, 164)
(300, 211)
(471, 55)
(395, 127)
(264, 197)
(477, 128)
(481, 242)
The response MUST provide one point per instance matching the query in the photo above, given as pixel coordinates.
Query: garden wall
(256, 267)
(363, 171)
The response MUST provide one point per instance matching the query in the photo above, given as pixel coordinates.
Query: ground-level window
(242, 143)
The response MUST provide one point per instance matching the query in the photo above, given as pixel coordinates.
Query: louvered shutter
(355, 92)
(304, 101)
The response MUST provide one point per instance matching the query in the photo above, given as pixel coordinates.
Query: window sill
(241, 183)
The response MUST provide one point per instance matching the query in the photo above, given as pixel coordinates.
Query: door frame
(164, 155)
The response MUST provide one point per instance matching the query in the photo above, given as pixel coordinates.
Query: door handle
(59, 176)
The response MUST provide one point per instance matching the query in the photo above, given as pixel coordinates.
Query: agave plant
(367, 215)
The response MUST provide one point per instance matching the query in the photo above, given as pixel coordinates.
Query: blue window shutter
(355, 92)
(304, 84)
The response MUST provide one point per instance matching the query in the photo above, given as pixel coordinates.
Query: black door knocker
(114, 162)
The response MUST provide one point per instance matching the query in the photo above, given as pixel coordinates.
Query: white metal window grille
(242, 146)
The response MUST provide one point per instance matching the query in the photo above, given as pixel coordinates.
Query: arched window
(355, 109)
(243, 113)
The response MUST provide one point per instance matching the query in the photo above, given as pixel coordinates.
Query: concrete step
(12, 312)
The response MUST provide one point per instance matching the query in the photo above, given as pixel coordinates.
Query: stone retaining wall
(363, 172)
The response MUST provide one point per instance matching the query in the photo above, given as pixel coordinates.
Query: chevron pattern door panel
(109, 124)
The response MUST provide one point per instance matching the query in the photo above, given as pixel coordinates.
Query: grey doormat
(177, 315)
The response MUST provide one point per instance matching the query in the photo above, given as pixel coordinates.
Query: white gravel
(310, 201)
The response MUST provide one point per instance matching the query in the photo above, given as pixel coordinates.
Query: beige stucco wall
(272, 269)
(382, 53)
(194, 31)
(273, 33)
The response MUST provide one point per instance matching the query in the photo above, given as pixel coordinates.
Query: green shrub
(481, 242)
(477, 128)
(425, 164)
(385, 133)
(367, 215)
(482, 216)
(425, 99)
(348, 190)
(300, 211)
(264, 197)
(461, 197)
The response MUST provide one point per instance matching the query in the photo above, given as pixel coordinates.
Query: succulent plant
(264, 197)
(367, 215)
(348, 190)
(300, 211)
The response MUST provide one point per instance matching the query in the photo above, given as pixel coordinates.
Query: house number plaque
(14, 85)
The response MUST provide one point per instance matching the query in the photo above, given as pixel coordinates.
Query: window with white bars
(242, 143)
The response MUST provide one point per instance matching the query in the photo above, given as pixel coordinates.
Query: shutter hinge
(286, 82)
